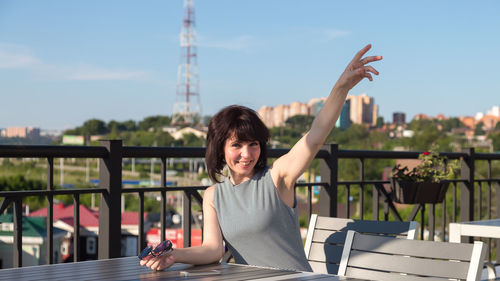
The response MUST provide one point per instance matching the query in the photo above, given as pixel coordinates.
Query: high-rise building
(363, 109)
(21, 132)
(315, 105)
(280, 114)
(298, 108)
(344, 120)
(398, 118)
(357, 109)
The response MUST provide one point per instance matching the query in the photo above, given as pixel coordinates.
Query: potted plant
(424, 183)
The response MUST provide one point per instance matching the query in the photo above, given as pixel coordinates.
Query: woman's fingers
(145, 260)
(370, 68)
(369, 76)
(370, 59)
(158, 263)
(361, 52)
(150, 262)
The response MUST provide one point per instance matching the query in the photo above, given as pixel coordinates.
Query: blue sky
(64, 62)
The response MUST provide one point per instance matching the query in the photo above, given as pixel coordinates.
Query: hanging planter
(418, 192)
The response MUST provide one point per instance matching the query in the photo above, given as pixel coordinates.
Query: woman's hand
(160, 262)
(357, 69)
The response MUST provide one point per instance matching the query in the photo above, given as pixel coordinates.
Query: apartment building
(357, 109)
(20, 132)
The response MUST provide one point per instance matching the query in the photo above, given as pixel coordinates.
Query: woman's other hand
(358, 69)
(160, 262)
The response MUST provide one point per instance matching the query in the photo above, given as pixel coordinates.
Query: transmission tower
(187, 102)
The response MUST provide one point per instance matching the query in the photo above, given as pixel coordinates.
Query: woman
(254, 208)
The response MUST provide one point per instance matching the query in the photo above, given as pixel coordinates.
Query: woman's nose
(244, 150)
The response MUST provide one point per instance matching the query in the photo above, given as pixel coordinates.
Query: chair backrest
(384, 258)
(325, 238)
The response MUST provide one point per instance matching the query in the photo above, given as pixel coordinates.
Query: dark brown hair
(245, 125)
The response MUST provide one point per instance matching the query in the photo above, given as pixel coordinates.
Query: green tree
(154, 122)
(478, 130)
(286, 136)
(301, 123)
(164, 139)
(129, 125)
(192, 140)
(94, 127)
(206, 119)
(425, 134)
(19, 182)
(495, 138)
(380, 122)
(451, 123)
(354, 137)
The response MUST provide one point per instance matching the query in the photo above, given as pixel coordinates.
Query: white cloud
(239, 43)
(90, 73)
(330, 34)
(20, 57)
(16, 56)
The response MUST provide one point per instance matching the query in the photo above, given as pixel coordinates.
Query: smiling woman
(253, 210)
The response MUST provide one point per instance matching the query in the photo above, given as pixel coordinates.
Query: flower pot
(418, 192)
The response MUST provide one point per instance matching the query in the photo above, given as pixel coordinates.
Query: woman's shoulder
(209, 190)
(208, 195)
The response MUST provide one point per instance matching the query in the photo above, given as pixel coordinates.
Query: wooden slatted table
(129, 269)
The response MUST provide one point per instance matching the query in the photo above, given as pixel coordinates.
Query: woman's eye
(254, 143)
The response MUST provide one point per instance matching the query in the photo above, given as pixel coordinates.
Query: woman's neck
(237, 179)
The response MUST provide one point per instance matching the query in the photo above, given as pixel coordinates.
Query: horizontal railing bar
(278, 152)
(363, 182)
(42, 151)
(24, 193)
(195, 188)
(191, 152)
(311, 184)
(39, 151)
(145, 152)
(385, 181)
(158, 189)
(381, 154)
(487, 156)
(488, 180)
(138, 151)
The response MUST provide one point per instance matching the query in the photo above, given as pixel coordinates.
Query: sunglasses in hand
(163, 248)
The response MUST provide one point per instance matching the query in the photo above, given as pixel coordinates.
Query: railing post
(497, 241)
(329, 174)
(467, 188)
(76, 227)
(18, 233)
(110, 178)
(50, 212)
(186, 218)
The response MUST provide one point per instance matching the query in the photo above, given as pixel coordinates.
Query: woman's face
(241, 157)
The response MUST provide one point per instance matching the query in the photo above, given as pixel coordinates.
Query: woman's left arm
(286, 169)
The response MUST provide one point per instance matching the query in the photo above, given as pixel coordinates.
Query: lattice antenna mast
(187, 105)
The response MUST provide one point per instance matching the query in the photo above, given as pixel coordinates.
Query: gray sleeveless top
(258, 227)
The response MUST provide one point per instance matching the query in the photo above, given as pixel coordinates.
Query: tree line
(443, 133)
(148, 132)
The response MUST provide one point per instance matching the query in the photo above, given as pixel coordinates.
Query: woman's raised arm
(289, 167)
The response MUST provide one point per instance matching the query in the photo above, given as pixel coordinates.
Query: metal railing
(111, 154)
